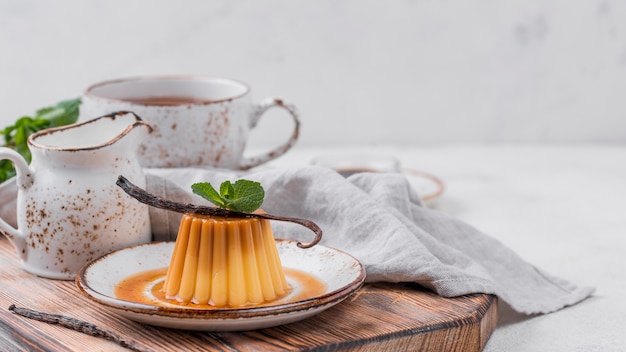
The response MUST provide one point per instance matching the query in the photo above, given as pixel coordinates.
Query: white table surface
(562, 208)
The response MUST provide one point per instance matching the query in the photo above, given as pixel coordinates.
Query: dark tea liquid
(166, 100)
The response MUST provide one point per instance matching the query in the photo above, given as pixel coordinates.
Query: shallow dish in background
(429, 187)
(341, 273)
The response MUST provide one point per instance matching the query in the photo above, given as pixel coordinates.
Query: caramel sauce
(147, 288)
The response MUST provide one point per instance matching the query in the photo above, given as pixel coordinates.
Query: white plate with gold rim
(342, 274)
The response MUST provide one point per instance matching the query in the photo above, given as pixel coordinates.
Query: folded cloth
(380, 220)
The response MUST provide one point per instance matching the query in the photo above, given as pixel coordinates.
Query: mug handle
(260, 109)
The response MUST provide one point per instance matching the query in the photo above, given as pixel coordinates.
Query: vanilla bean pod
(146, 197)
(78, 325)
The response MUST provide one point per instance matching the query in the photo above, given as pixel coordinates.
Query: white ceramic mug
(197, 120)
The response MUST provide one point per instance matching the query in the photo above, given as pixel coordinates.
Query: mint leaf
(248, 195)
(227, 190)
(63, 113)
(16, 135)
(206, 191)
(244, 195)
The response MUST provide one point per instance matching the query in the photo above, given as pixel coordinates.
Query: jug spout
(24, 180)
(135, 132)
(105, 133)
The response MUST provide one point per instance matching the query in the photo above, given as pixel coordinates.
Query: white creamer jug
(69, 209)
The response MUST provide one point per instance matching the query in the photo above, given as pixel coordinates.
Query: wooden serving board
(378, 317)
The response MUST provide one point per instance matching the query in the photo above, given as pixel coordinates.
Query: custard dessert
(225, 262)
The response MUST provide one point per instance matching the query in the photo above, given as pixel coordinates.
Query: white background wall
(361, 72)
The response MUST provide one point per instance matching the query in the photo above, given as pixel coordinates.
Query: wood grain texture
(389, 317)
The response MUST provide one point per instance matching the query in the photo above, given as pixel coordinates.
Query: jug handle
(24, 179)
(260, 109)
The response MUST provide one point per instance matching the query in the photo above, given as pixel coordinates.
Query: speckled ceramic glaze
(210, 130)
(69, 209)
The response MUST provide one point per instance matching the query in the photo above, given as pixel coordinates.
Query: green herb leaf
(206, 191)
(243, 195)
(16, 135)
(248, 195)
(227, 190)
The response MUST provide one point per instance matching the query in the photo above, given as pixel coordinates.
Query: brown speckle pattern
(213, 133)
(74, 213)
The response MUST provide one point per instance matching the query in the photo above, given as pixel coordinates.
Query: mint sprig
(16, 135)
(243, 195)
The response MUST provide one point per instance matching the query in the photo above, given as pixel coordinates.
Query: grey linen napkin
(380, 220)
